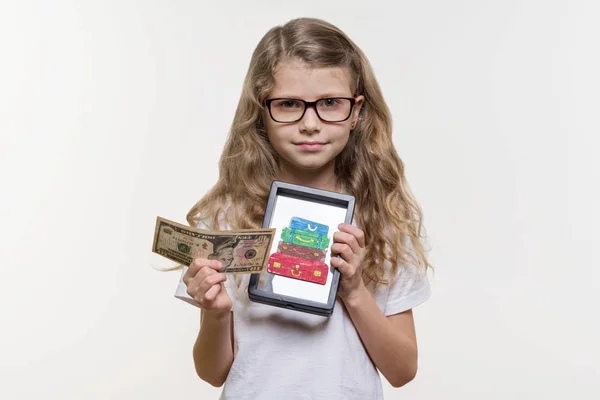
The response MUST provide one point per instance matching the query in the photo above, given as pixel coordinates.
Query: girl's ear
(358, 106)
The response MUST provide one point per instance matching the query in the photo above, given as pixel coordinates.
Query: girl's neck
(320, 179)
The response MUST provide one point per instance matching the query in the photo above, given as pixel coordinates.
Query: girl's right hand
(204, 285)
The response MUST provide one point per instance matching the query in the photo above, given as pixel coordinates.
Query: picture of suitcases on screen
(301, 252)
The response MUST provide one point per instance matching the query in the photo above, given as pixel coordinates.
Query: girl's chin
(307, 162)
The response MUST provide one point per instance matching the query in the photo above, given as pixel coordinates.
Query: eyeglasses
(330, 109)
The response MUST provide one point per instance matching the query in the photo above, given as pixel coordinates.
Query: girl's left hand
(349, 243)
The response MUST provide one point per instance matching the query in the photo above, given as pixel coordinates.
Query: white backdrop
(114, 112)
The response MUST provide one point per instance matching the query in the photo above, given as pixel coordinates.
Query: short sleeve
(409, 289)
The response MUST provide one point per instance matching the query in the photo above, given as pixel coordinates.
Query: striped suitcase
(305, 238)
(301, 251)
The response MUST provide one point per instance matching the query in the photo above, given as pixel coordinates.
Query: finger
(348, 239)
(358, 234)
(199, 288)
(214, 279)
(341, 265)
(197, 285)
(342, 249)
(211, 294)
(200, 276)
(197, 265)
(200, 263)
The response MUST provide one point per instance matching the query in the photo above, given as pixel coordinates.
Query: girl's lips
(309, 146)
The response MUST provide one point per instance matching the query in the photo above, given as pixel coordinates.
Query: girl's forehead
(296, 79)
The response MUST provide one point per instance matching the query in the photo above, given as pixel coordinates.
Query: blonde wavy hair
(368, 168)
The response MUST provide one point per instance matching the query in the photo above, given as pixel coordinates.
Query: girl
(312, 113)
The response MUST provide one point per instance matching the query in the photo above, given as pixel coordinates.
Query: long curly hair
(368, 168)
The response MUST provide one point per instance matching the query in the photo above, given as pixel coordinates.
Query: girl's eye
(330, 102)
(287, 103)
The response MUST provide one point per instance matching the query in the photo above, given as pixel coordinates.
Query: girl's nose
(310, 122)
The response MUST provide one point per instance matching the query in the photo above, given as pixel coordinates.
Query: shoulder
(408, 289)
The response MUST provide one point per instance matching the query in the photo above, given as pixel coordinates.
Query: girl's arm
(213, 350)
(390, 341)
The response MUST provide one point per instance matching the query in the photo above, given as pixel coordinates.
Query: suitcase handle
(299, 238)
(312, 229)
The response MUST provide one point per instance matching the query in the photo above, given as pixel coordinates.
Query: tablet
(299, 274)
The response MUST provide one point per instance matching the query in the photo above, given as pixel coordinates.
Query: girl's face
(310, 144)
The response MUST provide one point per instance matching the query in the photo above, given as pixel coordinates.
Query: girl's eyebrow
(322, 96)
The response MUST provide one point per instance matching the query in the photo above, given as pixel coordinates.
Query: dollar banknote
(243, 251)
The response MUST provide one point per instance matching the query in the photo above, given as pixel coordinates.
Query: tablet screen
(299, 264)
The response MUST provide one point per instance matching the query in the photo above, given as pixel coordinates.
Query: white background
(114, 112)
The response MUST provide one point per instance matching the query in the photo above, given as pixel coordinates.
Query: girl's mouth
(310, 145)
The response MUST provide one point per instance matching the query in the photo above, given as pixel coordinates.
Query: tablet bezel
(313, 195)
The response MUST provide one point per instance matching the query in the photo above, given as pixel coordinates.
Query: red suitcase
(298, 268)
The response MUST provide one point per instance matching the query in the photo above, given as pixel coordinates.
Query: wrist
(217, 316)
(356, 297)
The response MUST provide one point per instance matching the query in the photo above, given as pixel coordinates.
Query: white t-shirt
(291, 355)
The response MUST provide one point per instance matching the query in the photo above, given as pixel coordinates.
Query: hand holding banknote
(209, 256)
(204, 285)
(242, 251)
